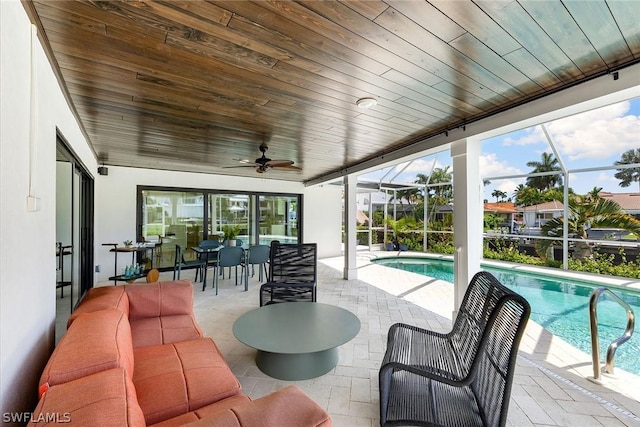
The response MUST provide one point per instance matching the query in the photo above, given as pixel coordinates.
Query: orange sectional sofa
(133, 355)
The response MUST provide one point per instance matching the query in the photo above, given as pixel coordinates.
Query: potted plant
(230, 234)
(388, 245)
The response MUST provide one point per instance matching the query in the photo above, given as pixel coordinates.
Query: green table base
(296, 367)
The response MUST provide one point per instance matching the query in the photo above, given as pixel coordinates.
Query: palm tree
(594, 194)
(548, 164)
(627, 176)
(527, 196)
(442, 194)
(586, 213)
(409, 194)
(499, 195)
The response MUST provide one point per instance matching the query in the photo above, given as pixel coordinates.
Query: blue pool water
(559, 304)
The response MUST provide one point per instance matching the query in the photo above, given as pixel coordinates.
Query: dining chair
(179, 263)
(158, 250)
(258, 255)
(229, 256)
(208, 258)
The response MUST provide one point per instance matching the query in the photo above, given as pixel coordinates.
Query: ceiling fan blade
(286, 168)
(279, 163)
(250, 165)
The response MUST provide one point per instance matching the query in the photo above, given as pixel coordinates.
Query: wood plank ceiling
(199, 85)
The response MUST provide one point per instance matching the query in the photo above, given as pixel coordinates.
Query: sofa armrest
(160, 299)
(289, 407)
(101, 298)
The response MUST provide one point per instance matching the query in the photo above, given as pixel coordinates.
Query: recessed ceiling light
(366, 102)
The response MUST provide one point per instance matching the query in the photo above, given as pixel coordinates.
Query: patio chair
(292, 273)
(258, 255)
(208, 258)
(179, 263)
(229, 256)
(460, 378)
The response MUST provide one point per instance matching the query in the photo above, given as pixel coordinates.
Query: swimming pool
(559, 304)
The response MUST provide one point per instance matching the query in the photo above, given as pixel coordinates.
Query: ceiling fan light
(366, 102)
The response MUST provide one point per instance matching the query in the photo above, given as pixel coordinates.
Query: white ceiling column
(468, 214)
(350, 211)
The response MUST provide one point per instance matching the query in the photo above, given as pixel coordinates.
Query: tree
(594, 194)
(586, 213)
(527, 196)
(410, 195)
(499, 195)
(628, 175)
(438, 195)
(548, 163)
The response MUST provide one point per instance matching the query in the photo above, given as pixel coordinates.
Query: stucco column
(350, 209)
(468, 214)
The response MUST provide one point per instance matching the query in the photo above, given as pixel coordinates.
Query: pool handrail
(593, 324)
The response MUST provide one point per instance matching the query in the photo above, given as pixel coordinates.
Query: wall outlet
(97, 268)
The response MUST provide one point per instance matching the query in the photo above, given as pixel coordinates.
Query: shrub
(604, 264)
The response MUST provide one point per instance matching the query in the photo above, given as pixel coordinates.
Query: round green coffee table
(296, 340)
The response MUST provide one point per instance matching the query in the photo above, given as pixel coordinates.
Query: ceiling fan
(262, 164)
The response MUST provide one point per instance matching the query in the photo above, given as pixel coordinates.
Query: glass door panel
(74, 233)
(172, 218)
(230, 211)
(278, 219)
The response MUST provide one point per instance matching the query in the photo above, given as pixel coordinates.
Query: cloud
(601, 134)
(607, 180)
(424, 166)
(531, 136)
(490, 165)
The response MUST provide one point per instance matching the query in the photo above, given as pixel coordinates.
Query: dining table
(208, 251)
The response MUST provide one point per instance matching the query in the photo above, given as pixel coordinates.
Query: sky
(592, 139)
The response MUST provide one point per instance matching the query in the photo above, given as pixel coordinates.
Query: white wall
(27, 239)
(323, 219)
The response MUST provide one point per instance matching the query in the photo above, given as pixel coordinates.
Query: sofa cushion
(160, 299)
(215, 411)
(101, 298)
(164, 330)
(95, 342)
(107, 399)
(173, 379)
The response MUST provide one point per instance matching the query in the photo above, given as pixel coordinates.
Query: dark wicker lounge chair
(462, 378)
(292, 274)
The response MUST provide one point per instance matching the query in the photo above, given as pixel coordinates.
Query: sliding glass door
(74, 233)
(185, 217)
